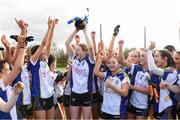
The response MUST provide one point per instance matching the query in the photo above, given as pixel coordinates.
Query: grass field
(61, 69)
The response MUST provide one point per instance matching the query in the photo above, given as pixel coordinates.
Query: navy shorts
(137, 111)
(43, 103)
(84, 99)
(66, 100)
(164, 114)
(24, 111)
(60, 100)
(109, 116)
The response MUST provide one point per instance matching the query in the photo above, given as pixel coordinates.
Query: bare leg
(58, 114)
(41, 114)
(95, 110)
(74, 112)
(130, 116)
(141, 117)
(67, 112)
(50, 113)
(86, 112)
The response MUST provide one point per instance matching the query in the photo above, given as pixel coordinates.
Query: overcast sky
(161, 17)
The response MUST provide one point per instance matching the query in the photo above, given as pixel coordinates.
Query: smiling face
(159, 61)
(113, 64)
(133, 57)
(177, 59)
(143, 58)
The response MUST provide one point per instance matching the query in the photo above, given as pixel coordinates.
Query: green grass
(61, 69)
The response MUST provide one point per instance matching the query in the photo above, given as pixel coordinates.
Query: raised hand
(50, 22)
(101, 46)
(55, 22)
(93, 34)
(77, 38)
(18, 87)
(85, 28)
(5, 42)
(21, 39)
(121, 43)
(116, 30)
(152, 45)
(22, 24)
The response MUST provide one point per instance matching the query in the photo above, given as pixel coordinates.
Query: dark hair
(34, 48)
(2, 62)
(166, 53)
(51, 59)
(170, 48)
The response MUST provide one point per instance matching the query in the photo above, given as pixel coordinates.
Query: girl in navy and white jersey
(138, 107)
(58, 86)
(8, 98)
(81, 76)
(116, 87)
(162, 71)
(8, 110)
(175, 88)
(177, 63)
(24, 105)
(42, 82)
(67, 92)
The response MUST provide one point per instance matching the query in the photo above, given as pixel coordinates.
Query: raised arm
(121, 55)
(111, 45)
(97, 68)
(68, 43)
(89, 44)
(8, 56)
(151, 64)
(18, 63)
(23, 32)
(37, 54)
(93, 35)
(23, 26)
(1, 56)
(51, 24)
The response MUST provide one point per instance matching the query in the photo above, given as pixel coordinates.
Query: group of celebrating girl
(99, 83)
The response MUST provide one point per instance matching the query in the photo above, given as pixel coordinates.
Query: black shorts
(137, 111)
(164, 114)
(109, 116)
(24, 111)
(97, 98)
(66, 100)
(84, 99)
(59, 100)
(43, 103)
